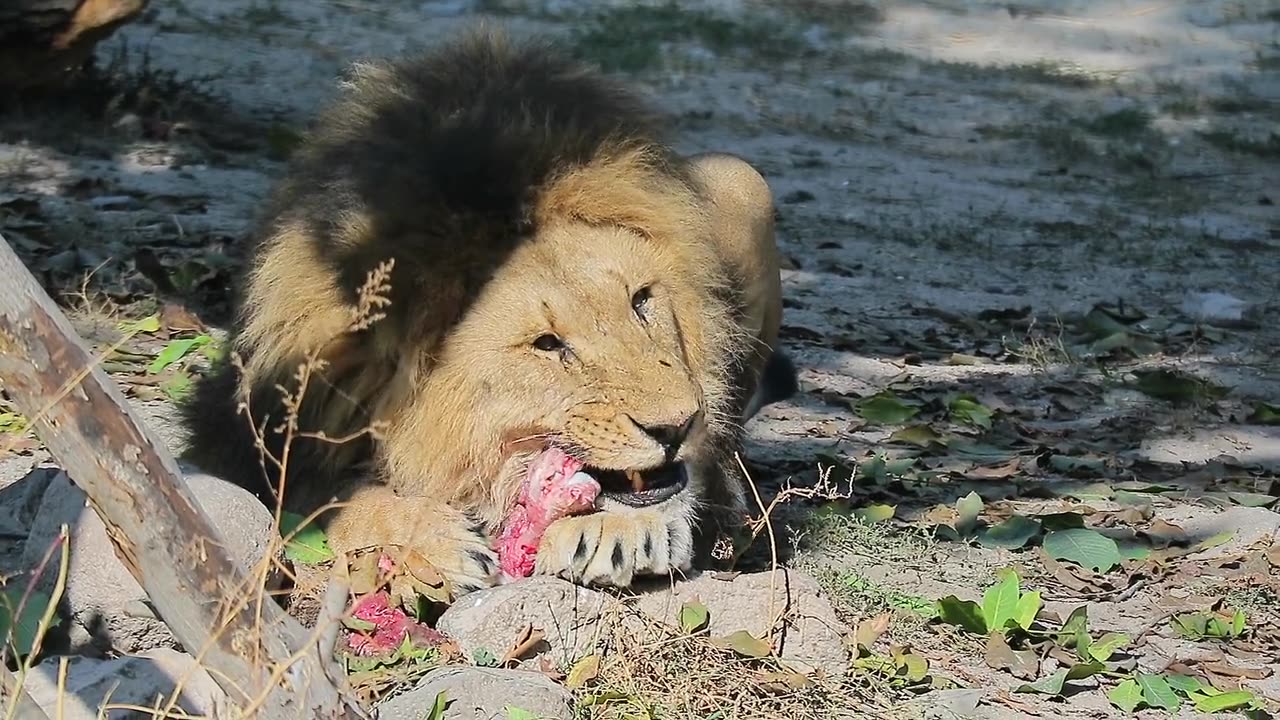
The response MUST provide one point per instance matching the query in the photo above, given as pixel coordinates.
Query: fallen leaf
(874, 513)
(526, 641)
(1156, 692)
(1176, 387)
(549, 669)
(870, 630)
(886, 408)
(1011, 534)
(1265, 414)
(1231, 700)
(996, 472)
(919, 435)
(1127, 695)
(583, 672)
(782, 682)
(966, 409)
(694, 616)
(177, 318)
(1000, 602)
(1104, 647)
(308, 545)
(1087, 548)
(744, 643)
(963, 613)
(967, 510)
(1023, 664)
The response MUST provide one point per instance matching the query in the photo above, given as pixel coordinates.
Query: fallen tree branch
(268, 665)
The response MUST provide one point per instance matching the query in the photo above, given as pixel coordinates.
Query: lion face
(578, 341)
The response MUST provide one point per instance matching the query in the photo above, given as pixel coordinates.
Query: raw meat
(554, 487)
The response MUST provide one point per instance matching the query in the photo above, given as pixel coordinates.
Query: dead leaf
(744, 643)
(782, 682)
(725, 575)
(583, 672)
(548, 668)
(177, 318)
(1273, 555)
(996, 472)
(871, 629)
(1022, 663)
(1222, 667)
(1164, 534)
(526, 640)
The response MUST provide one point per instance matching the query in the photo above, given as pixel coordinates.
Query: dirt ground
(1032, 252)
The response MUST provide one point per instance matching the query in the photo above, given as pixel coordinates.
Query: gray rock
(481, 694)
(1219, 309)
(20, 500)
(1249, 525)
(812, 636)
(568, 614)
(105, 606)
(131, 680)
(571, 617)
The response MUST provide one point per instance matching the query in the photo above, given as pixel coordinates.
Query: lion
(544, 269)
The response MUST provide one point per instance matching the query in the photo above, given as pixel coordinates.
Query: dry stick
(155, 525)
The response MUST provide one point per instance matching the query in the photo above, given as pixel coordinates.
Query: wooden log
(265, 661)
(43, 40)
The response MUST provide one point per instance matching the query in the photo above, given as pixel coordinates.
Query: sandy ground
(959, 184)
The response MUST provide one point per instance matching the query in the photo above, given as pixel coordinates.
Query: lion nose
(670, 435)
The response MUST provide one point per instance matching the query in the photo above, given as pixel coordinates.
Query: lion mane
(445, 164)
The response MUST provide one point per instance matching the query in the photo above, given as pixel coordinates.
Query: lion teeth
(636, 480)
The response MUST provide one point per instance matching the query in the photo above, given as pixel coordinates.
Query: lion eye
(640, 301)
(548, 343)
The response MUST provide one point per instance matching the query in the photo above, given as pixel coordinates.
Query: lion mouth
(641, 488)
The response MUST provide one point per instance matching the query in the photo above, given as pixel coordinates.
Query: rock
(813, 634)
(1219, 309)
(105, 606)
(571, 616)
(1248, 525)
(477, 693)
(20, 501)
(489, 619)
(131, 680)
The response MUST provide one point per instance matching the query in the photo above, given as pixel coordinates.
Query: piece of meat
(553, 487)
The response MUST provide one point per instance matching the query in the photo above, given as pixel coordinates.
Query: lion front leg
(375, 515)
(611, 547)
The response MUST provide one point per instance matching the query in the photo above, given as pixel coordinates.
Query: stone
(476, 693)
(573, 619)
(105, 608)
(130, 680)
(489, 619)
(812, 637)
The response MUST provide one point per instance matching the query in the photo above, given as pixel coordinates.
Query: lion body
(558, 275)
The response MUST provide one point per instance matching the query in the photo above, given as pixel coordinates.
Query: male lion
(560, 276)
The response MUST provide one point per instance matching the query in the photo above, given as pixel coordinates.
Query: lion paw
(612, 547)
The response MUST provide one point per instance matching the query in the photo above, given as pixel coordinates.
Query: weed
(1233, 141)
(636, 38)
(1124, 122)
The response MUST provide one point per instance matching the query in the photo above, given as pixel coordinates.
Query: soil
(1062, 212)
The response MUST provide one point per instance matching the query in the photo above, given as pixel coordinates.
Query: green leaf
(1265, 414)
(1225, 701)
(744, 643)
(1010, 534)
(1075, 631)
(966, 409)
(438, 707)
(1061, 521)
(177, 388)
(967, 510)
(21, 634)
(1000, 602)
(1249, 499)
(1214, 541)
(1192, 626)
(693, 616)
(886, 408)
(1237, 623)
(484, 657)
(1078, 466)
(583, 672)
(1104, 647)
(1184, 684)
(919, 435)
(1087, 548)
(1028, 608)
(874, 513)
(175, 351)
(1176, 387)
(309, 546)
(1156, 692)
(963, 613)
(1130, 550)
(1053, 684)
(1126, 696)
(148, 324)
(515, 713)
